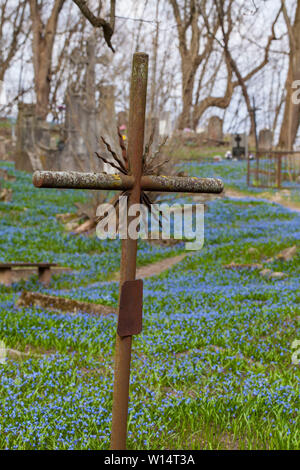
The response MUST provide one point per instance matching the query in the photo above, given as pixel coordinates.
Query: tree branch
(98, 22)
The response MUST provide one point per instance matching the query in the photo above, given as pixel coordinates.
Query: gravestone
(239, 144)
(6, 139)
(25, 130)
(89, 61)
(265, 139)
(71, 145)
(84, 127)
(215, 129)
(107, 122)
(152, 127)
(37, 144)
(90, 74)
(165, 124)
(122, 119)
(79, 142)
(85, 122)
(5, 148)
(25, 123)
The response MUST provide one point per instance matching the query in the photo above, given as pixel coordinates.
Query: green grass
(191, 152)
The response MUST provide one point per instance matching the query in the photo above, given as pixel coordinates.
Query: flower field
(212, 368)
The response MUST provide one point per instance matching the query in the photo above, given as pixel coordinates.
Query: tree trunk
(189, 34)
(43, 82)
(15, 18)
(291, 117)
(155, 43)
(43, 40)
(188, 80)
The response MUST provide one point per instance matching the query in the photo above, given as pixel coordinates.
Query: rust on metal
(78, 180)
(137, 110)
(130, 308)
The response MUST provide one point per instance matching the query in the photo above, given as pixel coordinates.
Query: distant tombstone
(7, 142)
(81, 133)
(152, 127)
(3, 97)
(75, 151)
(239, 143)
(25, 159)
(107, 123)
(89, 61)
(165, 124)
(200, 130)
(84, 127)
(5, 147)
(37, 141)
(2, 149)
(215, 129)
(122, 119)
(265, 139)
(72, 145)
(107, 113)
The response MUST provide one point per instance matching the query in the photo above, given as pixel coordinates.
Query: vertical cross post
(138, 92)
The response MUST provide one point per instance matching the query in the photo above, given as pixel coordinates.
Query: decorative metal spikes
(149, 166)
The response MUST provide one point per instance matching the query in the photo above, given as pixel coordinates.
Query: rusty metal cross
(134, 183)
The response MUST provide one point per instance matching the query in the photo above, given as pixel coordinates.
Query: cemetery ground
(212, 368)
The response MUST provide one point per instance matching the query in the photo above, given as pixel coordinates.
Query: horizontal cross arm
(181, 184)
(78, 180)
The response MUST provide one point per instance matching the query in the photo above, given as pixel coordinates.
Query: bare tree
(12, 34)
(99, 22)
(235, 76)
(44, 35)
(155, 42)
(73, 30)
(191, 30)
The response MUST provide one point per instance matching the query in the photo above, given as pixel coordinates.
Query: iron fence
(274, 169)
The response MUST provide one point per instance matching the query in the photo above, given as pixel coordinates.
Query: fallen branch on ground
(62, 304)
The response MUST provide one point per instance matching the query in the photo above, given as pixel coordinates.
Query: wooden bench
(44, 271)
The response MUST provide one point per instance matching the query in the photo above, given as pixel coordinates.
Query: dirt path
(155, 268)
(234, 194)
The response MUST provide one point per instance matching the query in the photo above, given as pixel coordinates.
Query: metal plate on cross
(131, 308)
